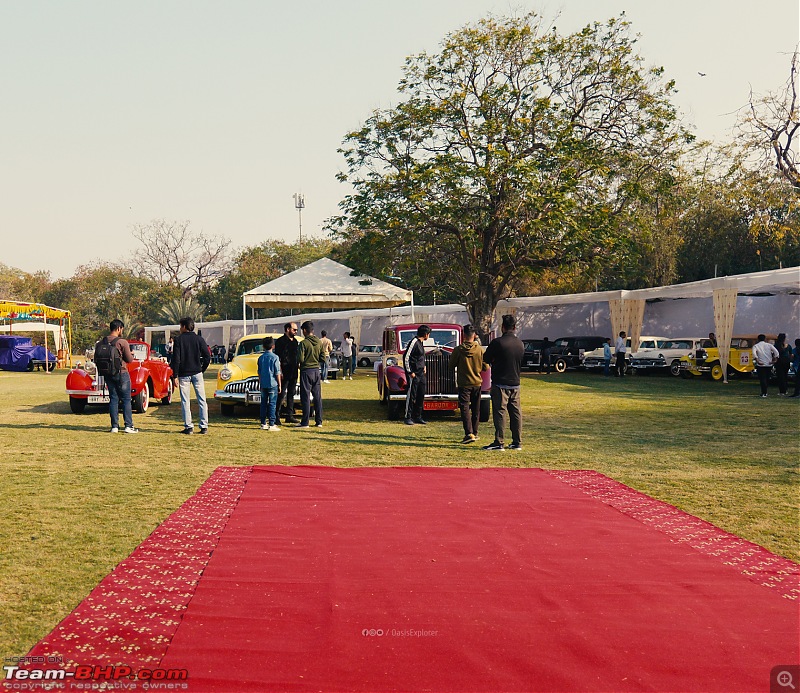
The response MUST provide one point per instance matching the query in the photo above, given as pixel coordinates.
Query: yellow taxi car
(705, 360)
(237, 381)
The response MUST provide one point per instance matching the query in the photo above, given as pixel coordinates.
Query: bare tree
(773, 121)
(173, 254)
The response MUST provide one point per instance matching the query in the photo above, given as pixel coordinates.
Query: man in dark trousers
(505, 354)
(190, 358)
(286, 349)
(414, 364)
(117, 379)
(467, 359)
(309, 354)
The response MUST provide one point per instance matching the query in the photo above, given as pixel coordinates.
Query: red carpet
(438, 579)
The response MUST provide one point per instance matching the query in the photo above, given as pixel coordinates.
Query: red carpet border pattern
(755, 562)
(131, 616)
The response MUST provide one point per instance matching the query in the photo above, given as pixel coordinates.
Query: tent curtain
(355, 328)
(724, 316)
(634, 315)
(616, 311)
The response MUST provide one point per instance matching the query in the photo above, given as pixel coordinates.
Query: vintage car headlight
(391, 361)
(225, 374)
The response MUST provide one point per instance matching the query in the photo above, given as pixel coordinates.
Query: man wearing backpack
(190, 358)
(111, 354)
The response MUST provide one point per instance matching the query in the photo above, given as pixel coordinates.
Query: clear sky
(115, 113)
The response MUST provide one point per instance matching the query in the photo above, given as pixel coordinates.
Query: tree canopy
(514, 149)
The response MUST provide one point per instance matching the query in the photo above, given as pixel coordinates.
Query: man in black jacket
(286, 351)
(505, 356)
(414, 365)
(190, 358)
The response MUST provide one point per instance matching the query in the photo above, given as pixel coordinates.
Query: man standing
(467, 359)
(190, 358)
(308, 356)
(110, 356)
(620, 348)
(505, 355)
(286, 349)
(414, 364)
(765, 355)
(347, 356)
(326, 347)
(544, 355)
(269, 379)
(607, 356)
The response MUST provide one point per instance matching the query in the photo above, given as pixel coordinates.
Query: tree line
(518, 161)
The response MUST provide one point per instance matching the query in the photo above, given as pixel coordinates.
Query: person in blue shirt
(607, 357)
(269, 377)
(796, 364)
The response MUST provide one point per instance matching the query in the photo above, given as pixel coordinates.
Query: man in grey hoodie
(309, 354)
(467, 359)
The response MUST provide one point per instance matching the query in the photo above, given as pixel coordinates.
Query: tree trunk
(481, 312)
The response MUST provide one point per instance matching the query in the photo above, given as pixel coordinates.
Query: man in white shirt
(620, 349)
(764, 355)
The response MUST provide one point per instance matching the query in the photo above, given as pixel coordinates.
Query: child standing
(269, 377)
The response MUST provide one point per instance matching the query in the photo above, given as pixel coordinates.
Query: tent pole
(46, 356)
(412, 306)
(244, 316)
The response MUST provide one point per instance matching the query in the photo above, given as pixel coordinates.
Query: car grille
(441, 379)
(243, 386)
(649, 363)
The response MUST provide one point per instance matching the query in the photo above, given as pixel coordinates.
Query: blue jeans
(119, 390)
(324, 364)
(185, 384)
(353, 364)
(607, 366)
(269, 404)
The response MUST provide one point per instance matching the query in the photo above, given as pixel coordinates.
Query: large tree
(514, 149)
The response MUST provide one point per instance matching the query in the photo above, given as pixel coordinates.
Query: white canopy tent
(325, 284)
(627, 307)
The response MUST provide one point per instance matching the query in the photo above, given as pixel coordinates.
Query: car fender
(396, 378)
(79, 379)
(486, 379)
(139, 378)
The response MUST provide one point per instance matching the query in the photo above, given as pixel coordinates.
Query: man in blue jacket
(269, 378)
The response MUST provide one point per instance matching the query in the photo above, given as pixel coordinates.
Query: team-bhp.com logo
(93, 673)
(399, 633)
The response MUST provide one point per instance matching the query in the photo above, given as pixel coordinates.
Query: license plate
(440, 406)
(254, 397)
(99, 399)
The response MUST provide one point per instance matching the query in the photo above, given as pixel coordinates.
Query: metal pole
(244, 316)
(412, 306)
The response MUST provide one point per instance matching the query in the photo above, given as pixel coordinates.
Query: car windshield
(439, 337)
(677, 344)
(561, 342)
(139, 351)
(250, 346)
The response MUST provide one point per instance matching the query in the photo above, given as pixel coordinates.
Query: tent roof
(16, 310)
(780, 281)
(326, 284)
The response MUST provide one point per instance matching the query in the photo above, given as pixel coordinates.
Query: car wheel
(485, 410)
(170, 390)
(51, 365)
(395, 410)
(560, 366)
(675, 368)
(384, 395)
(226, 409)
(716, 372)
(142, 400)
(364, 363)
(77, 404)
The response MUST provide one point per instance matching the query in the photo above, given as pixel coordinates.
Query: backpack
(107, 357)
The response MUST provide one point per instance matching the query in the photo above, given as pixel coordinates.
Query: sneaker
(494, 446)
(351, 377)
(326, 381)
(409, 422)
(515, 446)
(203, 430)
(763, 396)
(187, 431)
(318, 425)
(131, 429)
(265, 427)
(421, 421)
(469, 438)
(303, 426)
(272, 428)
(114, 429)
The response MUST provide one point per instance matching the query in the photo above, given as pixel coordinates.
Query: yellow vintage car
(705, 360)
(237, 381)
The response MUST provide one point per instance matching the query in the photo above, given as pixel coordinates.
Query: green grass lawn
(77, 500)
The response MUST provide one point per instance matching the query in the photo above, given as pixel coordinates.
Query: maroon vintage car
(441, 392)
(151, 378)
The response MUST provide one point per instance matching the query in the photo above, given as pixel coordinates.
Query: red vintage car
(151, 378)
(441, 392)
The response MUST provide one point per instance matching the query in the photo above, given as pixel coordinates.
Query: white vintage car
(594, 360)
(668, 355)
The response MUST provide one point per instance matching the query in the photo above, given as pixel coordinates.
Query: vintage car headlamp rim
(225, 374)
(391, 361)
